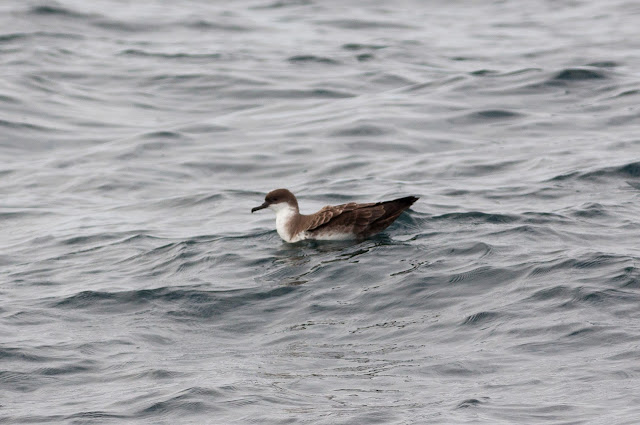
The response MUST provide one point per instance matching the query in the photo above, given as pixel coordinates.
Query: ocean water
(137, 287)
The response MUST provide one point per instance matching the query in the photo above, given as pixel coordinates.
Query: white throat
(285, 213)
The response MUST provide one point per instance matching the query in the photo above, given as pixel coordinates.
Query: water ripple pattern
(136, 286)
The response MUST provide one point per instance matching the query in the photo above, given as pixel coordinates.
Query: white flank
(334, 236)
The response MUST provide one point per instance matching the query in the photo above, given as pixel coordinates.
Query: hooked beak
(261, 207)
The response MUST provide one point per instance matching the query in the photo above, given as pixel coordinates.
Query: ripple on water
(50, 10)
(628, 278)
(473, 249)
(629, 170)
(313, 59)
(578, 74)
(472, 402)
(482, 318)
(275, 93)
(190, 401)
(9, 354)
(478, 216)
(178, 56)
(487, 116)
(138, 287)
(484, 276)
(362, 130)
(181, 302)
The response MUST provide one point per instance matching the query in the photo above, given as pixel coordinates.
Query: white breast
(284, 215)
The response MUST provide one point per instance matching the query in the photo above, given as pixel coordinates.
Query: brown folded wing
(360, 219)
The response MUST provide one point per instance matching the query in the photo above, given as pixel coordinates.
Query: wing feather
(360, 219)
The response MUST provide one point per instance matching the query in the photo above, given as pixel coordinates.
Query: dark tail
(393, 209)
(407, 201)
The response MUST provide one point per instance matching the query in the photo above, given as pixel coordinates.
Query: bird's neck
(287, 217)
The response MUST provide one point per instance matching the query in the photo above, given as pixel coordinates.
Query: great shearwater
(339, 222)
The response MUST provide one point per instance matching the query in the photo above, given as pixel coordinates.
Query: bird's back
(358, 220)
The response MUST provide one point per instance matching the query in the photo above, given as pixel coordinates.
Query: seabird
(339, 222)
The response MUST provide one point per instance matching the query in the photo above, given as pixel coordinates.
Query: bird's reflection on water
(293, 263)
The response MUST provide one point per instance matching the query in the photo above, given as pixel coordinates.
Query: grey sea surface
(137, 287)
